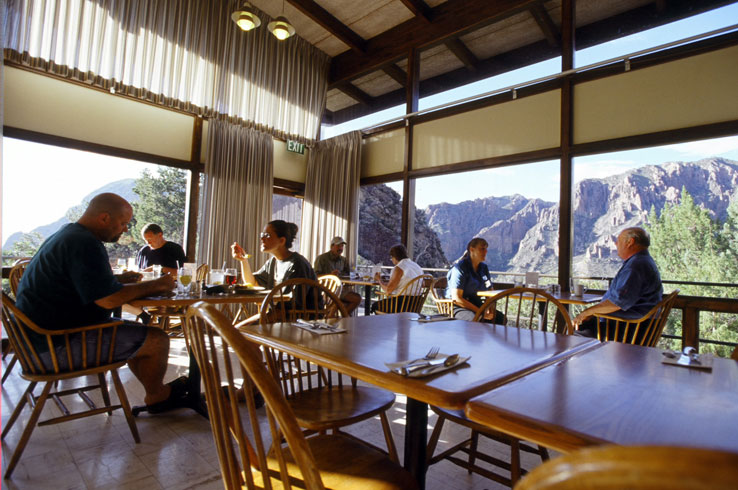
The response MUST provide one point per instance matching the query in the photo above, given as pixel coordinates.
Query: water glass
(184, 277)
(216, 277)
(157, 271)
(230, 277)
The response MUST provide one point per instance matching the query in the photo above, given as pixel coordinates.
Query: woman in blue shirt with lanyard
(466, 278)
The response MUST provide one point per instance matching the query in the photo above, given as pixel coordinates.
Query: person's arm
(457, 295)
(242, 257)
(602, 308)
(394, 280)
(320, 267)
(128, 277)
(130, 292)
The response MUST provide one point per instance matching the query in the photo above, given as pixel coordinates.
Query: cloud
(706, 148)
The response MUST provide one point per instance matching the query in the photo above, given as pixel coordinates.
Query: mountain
(523, 233)
(123, 187)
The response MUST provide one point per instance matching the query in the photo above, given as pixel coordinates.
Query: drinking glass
(157, 271)
(230, 277)
(216, 277)
(185, 280)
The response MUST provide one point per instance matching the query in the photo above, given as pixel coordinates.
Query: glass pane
(45, 187)
(380, 222)
(514, 208)
(289, 209)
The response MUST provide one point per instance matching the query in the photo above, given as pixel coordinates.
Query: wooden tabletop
(186, 300)
(359, 282)
(621, 394)
(563, 297)
(499, 354)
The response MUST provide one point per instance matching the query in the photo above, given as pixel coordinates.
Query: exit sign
(295, 147)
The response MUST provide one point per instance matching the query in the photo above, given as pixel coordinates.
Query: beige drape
(185, 54)
(237, 199)
(332, 195)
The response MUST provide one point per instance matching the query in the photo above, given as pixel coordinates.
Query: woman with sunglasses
(284, 264)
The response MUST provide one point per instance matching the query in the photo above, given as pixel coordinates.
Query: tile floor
(176, 449)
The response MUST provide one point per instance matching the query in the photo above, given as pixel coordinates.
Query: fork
(432, 353)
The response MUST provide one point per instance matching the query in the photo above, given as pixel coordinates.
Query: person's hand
(238, 252)
(165, 283)
(377, 277)
(490, 314)
(580, 318)
(128, 277)
(335, 272)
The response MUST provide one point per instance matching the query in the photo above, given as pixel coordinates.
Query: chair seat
(459, 417)
(319, 409)
(345, 463)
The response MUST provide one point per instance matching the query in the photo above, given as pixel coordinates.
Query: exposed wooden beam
(397, 74)
(355, 93)
(546, 24)
(449, 19)
(660, 6)
(419, 8)
(321, 16)
(465, 55)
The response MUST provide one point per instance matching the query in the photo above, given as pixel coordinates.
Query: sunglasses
(265, 235)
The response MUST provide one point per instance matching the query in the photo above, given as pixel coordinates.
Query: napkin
(420, 373)
(318, 328)
(433, 318)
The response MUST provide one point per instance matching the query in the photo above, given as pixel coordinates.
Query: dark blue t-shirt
(636, 288)
(67, 275)
(167, 255)
(462, 276)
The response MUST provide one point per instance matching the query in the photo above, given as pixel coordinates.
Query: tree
(162, 201)
(27, 246)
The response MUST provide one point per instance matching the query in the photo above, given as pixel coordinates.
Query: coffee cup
(579, 289)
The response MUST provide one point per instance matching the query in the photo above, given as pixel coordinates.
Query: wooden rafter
(449, 19)
(419, 8)
(321, 16)
(546, 24)
(355, 93)
(464, 54)
(396, 73)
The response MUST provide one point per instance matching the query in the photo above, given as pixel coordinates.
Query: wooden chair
(641, 331)
(310, 389)
(532, 312)
(411, 298)
(14, 278)
(734, 355)
(249, 444)
(638, 468)
(445, 306)
(162, 316)
(94, 361)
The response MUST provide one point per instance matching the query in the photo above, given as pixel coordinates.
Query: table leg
(416, 436)
(367, 300)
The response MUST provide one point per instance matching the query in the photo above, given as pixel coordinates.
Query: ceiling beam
(449, 19)
(546, 24)
(460, 50)
(397, 74)
(419, 9)
(355, 93)
(321, 16)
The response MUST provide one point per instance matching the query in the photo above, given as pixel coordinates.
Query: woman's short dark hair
(151, 228)
(474, 242)
(284, 229)
(398, 252)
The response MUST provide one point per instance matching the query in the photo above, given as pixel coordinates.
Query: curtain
(331, 205)
(184, 54)
(237, 199)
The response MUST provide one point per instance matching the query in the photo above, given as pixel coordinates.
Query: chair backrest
(445, 306)
(215, 343)
(17, 272)
(332, 283)
(410, 298)
(530, 312)
(300, 298)
(202, 273)
(27, 340)
(641, 331)
(639, 468)
(734, 355)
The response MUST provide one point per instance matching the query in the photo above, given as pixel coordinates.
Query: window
(380, 222)
(288, 208)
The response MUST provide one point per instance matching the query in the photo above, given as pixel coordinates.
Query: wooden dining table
(368, 285)
(194, 399)
(499, 355)
(617, 394)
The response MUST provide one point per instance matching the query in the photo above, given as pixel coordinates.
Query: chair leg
(18, 408)
(391, 449)
(124, 403)
(433, 441)
(514, 460)
(30, 425)
(104, 390)
(473, 450)
(9, 369)
(543, 452)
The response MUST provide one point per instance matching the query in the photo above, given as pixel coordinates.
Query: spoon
(449, 361)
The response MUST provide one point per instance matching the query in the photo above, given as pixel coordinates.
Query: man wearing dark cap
(333, 262)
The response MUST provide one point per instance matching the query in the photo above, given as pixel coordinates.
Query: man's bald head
(107, 216)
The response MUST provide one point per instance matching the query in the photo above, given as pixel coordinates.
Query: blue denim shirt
(636, 288)
(462, 276)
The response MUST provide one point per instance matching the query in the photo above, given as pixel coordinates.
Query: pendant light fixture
(246, 17)
(281, 27)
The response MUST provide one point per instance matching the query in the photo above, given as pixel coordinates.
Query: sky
(45, 170)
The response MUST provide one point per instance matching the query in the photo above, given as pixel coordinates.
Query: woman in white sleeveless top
(405, 270)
